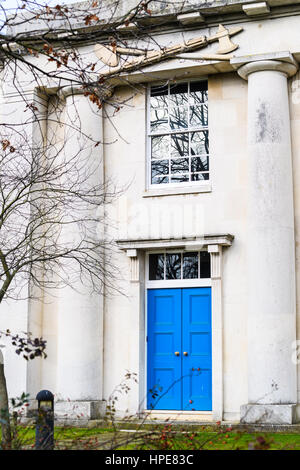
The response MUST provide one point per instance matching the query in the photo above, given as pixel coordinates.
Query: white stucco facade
(246, 216)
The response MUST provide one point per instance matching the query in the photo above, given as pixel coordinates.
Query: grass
(163, 438)
(209, 440)
(242, 440)
(63, 436)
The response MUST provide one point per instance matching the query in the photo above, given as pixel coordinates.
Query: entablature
(132, 246)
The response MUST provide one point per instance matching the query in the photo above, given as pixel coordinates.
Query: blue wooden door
(196, 347)
(164, 339)
(179, 349)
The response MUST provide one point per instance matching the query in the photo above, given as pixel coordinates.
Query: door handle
(177, 353)
(185, 353)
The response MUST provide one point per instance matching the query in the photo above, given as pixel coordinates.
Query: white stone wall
(18, 314)
(222, 210)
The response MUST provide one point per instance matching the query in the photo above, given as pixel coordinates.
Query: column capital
(282, 62)
(70, 90)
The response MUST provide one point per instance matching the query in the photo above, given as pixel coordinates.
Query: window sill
(177, 191)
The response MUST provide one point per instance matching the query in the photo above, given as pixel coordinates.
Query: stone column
(216, 255)
(80, 313)
(271, 244)
(37, 134)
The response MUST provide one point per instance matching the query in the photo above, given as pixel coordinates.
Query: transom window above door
(182, 265)
(178, 134)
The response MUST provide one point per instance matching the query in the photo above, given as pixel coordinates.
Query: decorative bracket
(134, 265)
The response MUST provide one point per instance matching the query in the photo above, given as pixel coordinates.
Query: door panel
(196, 342)
(164, 338)
(179, 320)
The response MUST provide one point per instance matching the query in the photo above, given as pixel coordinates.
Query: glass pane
(156, 267)
(158, 102)
(159, 120)
(160, 147)
(179, 94)
(159, 97)
(179, 145)
(198, 116)
(204, 264)
(159, 168)
(178, 118)
(180, 165)
(199, 164)
(199, 143)
(200, 176)
(173, 266)
(180, 179)
(160, 180)
(198, 92)
(190, 265)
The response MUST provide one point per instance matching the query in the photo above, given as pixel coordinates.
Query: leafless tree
(46, 195)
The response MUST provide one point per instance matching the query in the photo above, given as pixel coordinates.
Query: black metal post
(44, 432)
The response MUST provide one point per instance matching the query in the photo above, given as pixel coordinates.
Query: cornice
(166, 19)
(176, 243)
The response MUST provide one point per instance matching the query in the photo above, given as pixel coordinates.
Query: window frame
(193, 185)
(176, 283)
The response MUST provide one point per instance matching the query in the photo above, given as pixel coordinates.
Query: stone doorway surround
(135, 250)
